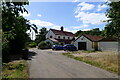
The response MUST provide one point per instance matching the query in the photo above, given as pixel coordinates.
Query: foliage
(14, 27)
(95, 31)
(44, 45)
(32, 44)
(113, 13)
(42, 35)
(15, 70)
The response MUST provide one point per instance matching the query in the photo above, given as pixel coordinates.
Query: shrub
(44, 45)
(32, 44)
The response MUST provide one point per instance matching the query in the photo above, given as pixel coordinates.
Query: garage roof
(92, 37)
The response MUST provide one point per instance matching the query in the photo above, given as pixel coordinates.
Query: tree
(95, 31)
(14, 27)
(113, 13)
(42, 35)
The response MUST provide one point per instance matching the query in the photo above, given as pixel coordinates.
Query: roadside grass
(15, 70)
(105, 60)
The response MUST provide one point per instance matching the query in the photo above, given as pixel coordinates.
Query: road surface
(52, 64)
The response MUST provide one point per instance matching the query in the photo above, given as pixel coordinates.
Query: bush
(32, 44)
(44, 45)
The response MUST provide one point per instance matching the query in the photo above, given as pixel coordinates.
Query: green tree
(42, 35)
(113, 13)
(14, 27)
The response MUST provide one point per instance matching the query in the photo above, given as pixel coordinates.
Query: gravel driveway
(52, 64)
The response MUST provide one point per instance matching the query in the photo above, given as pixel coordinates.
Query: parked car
(57, 47)
(69, 47)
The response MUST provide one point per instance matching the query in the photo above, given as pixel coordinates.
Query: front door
(81, 45)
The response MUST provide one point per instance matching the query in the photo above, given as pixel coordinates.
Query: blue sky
(73, 16)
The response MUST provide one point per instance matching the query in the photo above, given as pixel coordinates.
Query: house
(91, 42)
(59, 36)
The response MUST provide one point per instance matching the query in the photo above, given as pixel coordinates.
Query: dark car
(57, 47)
(69, 47)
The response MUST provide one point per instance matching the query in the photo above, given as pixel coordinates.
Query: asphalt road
(52, 64)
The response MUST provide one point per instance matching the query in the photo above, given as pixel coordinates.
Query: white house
(54, 36)
(90, 42)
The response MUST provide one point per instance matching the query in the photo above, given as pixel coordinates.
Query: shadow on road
(29, 55)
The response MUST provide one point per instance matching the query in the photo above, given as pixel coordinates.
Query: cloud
(86, 29)
(41, 23)
(25, 14)
(85, 6)
(39, 15)
(92, 18)
(56, 27)
(81, 26)
(100, 7)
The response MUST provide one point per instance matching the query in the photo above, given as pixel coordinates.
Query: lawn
(106, 60)
(15, 70)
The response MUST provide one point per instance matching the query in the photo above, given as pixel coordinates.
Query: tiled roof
(93, 37)
(59, 32)
(108, 39)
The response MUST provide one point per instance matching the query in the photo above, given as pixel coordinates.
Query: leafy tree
(113, 13)
(42, 35)
(95, 31)
(14, 27)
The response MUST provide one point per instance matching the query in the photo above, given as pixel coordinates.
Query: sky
(73, 16)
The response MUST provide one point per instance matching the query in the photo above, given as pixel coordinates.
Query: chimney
(62, 28)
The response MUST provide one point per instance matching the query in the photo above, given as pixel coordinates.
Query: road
(52, 64)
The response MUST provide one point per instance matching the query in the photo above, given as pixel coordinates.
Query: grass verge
(15, 70)
(101, 62)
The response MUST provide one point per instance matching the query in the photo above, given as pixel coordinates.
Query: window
(68, 37)
(63, 37)
(50, 36)
(59, 37)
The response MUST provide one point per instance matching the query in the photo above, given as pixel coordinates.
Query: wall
(88, 42)
(50, 33)
(108, 46)
(61, 37)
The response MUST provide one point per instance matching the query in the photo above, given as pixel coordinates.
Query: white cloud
(81, 26)
(41, 23)
(56, 27)
(86, 29)
(39, 15)
(85, 6)
(92, 18)
(100, 7)
(25, 14)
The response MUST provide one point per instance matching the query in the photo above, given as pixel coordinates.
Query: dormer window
(50, 36)
(63, 37)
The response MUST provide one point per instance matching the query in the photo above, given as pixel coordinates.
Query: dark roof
(59, 32)
(108, 39)
(93, 37)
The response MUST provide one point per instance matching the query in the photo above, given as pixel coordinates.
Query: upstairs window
(63, 37)
(58, 37)
(68, 37)
(50, 36)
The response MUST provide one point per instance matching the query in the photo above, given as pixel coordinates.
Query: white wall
(108, 46)
(50, 33)
(62, 37)
(88, 42)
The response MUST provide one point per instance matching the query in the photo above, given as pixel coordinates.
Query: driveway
(52, 64)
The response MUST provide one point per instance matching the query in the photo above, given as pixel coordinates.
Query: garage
(82, 46)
